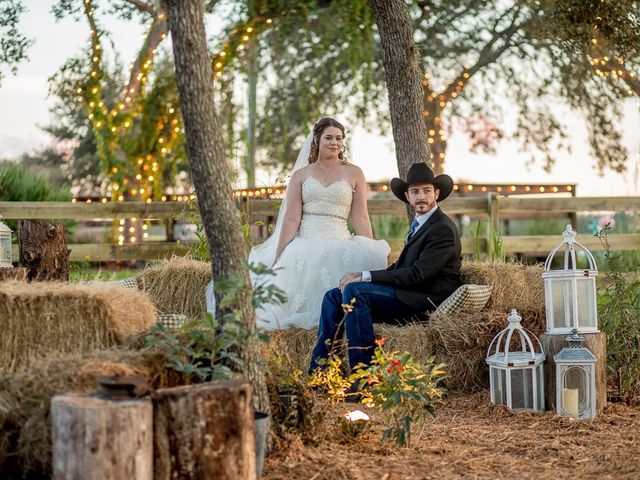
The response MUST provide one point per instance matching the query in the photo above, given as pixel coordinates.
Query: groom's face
(422, 197)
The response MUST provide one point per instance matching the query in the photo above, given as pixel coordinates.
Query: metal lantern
(570, 292)
(5, 245)
(575, 379)
(515, 367)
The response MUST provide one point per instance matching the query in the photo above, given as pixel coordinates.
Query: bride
(311, 247)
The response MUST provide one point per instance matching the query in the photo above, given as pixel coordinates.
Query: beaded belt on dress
(325, 215)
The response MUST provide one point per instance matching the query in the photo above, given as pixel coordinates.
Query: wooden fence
(493, 208)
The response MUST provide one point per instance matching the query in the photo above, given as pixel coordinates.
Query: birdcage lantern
(515, 359)
(570, 291)
(575, 379)
(5, 245)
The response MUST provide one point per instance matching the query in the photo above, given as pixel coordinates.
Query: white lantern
(570, 292)
(515, 368)
(5, 245)
(575, 379)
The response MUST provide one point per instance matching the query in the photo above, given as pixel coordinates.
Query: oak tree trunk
(596, 343)
(101, 439)
(43, 250)
(211, 173)
(204, 431)
(404, 82)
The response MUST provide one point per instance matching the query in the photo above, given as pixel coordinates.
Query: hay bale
(515, 285)
(25, 432)
(39, 318)
(297, 343)
(465, 371)
(177, 285)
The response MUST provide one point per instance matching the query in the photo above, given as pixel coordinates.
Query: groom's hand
(348, 278)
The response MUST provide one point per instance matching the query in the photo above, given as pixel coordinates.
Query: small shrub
(406, 391)
(619, 313)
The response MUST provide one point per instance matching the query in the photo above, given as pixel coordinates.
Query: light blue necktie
(413, 228)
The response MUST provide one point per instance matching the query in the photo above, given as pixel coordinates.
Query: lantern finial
(569, 235)
(514, 318)
(575, 340)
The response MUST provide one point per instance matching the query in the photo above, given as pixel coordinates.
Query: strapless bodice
(325, 209)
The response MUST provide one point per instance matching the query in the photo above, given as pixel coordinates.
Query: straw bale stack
(177, 285)
(25, 432)
(39, 318)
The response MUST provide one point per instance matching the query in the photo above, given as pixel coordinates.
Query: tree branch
(143, 7)
(487, 55)
(157, 33)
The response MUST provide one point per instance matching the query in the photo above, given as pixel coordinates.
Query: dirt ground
(471, 439)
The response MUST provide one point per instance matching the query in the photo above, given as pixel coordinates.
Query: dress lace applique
(300, 264)
(298, 302)
(326, 278)
(346, 257)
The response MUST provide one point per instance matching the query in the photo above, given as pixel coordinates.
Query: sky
(25, 108)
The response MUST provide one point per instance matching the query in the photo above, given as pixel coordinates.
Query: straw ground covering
(40, 318)
(471, 439)
(25, 435)
(177, 285)
(460, 340)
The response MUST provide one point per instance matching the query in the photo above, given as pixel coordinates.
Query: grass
(84, 272)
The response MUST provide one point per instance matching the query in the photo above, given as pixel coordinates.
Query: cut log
(597, 344)
(13, 274)
(43, 250)
(101, 439)
(204, 431)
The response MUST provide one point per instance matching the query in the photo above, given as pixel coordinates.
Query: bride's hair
(320, 126)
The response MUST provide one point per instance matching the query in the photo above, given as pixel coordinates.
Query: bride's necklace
(326, 172)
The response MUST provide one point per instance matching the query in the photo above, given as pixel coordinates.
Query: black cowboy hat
(421, 173)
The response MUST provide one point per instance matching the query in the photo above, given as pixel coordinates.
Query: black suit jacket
(428, 269)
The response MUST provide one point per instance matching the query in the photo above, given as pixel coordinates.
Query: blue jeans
(373, 304)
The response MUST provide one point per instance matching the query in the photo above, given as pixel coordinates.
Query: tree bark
(403, 77)
(204, 431)
(211, 172)
(101, 439)
(43, 250)
(597, 344)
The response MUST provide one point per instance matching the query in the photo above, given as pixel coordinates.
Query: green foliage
(210, 349)
(389, 226)
(13, 44)
(18, 184)
(204, 350)
(85, 272)
(330, 379)
(619, 313)
(406, 391)
(495, 248)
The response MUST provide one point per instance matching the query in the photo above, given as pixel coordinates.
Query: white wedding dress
(321, 253)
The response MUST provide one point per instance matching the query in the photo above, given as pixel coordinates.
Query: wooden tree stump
(204, 431)
(101, 439)
(597, 344)
(13, 274)
(43, 250)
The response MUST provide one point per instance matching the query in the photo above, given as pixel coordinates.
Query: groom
(426, 273)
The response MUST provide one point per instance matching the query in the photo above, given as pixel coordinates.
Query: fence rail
(494, 208)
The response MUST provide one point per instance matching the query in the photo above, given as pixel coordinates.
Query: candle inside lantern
(570, 401)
